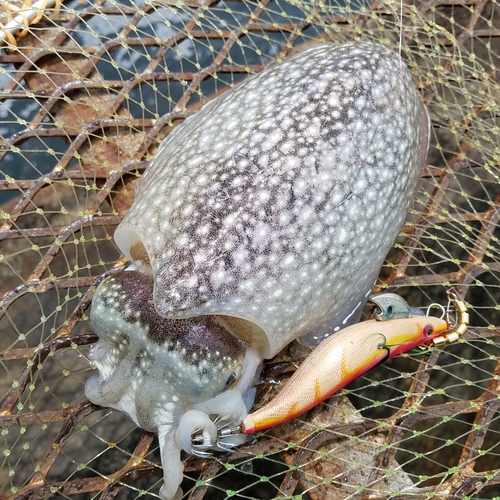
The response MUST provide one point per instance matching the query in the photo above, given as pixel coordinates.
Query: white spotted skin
(279, 200)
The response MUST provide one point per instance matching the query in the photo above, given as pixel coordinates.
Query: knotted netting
(89, 90)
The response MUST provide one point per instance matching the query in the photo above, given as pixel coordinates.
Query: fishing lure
(355, 350)
(339, 360)
(347, 355)
(263, 218)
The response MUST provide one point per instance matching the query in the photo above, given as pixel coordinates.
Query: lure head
(418, 331)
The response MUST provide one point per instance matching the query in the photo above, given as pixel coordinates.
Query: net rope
(88, 92)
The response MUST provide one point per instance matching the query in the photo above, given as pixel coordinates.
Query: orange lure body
(340, 359)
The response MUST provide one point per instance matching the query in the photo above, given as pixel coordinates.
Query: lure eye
(428, 330)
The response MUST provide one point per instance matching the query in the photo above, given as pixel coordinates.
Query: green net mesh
(88, 91)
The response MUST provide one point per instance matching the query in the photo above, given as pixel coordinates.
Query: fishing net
(89, 90)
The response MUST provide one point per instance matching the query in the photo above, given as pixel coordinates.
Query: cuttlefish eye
(233, 377)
